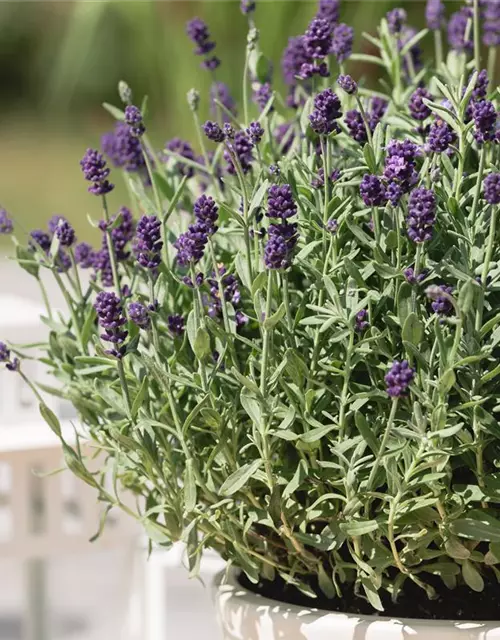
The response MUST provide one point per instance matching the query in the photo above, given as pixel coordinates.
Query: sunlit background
(60, 60)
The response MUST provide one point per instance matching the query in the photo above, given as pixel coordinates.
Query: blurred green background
(60, 60)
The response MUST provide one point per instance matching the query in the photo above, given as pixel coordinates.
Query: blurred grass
(60, 60)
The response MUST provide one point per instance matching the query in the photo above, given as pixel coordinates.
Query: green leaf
(246, 382)
(201, 345)
(118, 114)
(252, 407)
(140, 397)
(366, 432)
(446, 381)
(472, 577)
(50, 418)
(482, 528)
(413, 329)
(298, 478)
(372, 595)
(258, 197)
(278, 315)
(466, 296)
(455, 549)
(26, 261)
(189, 486)
(239, 478)
(325, 582)
(404, 302)
(316, 434)
(241, 265)
(369, 157)
(359, 527)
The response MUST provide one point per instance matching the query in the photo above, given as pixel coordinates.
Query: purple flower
(411, 278)
(184, 149)
(457, 27)
(247, 6)
(148, 242)
(54, 222)
(396, 19)
(176, 325)
(219, 91)
(405, 149)
(228, 130)
(65, 233)
(101, 262)
(329, 10)
(342, 41)
(211, 63)
(139, 315)
(241, 147)
(332, 226)
(95, 170)
(441, 136)
(294, 56)
(124, 149)
(197, 31)
(481, 87)
(191, 244)
(285, 136)
(356, 126)
(491, 186)
(213, 131)
(278, 252)
(361, 323)
(348, 84)
(255, 132)
(434, 14)
(84, 255)
(485, 119)
(123, 233)
(280, 202)
(421, 214)
(491, 23)
(206, 213)
(41, 239)
(399, 378)
(327, 109)
(395, 191)
(241, 319)
(6, 224)
(262, 94)
(10, 364)
(372, 191)
(110, 316)
(134, 119)
(318, 38)
(319, 181)
(378, 107)
(441, 299)
(418, 109)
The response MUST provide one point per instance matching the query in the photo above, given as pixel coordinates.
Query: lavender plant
(291, 354)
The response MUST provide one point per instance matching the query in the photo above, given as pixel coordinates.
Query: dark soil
(457, 604)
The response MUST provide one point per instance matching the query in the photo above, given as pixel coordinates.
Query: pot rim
(227, 590)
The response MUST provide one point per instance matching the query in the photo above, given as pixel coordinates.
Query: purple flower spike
(176, 325)
(95, 170)
(421, 214)
(4, 352)
(348, 84)
(418, 109)
(329, 10)
(481, 88)
(213, 131)
(372, 191)
(399, 378)
(327, 110)
(434, 14)
(12, 364)
(197, 31)
(457, 27)
(356, 126)
(148, 242)
(278, 252)
(184, 149)
(294, 56)
(84, 255)
(255, 132)
(441, 136)
(491, 23)
(6, 224)
(220, 91)
(110, 316)
(206, 213)
(491, 186)
(262, 95)
(191, 245)
(40, 239)
(361, 323)
(133, 117)
(242, 147)
(485, 119)
(65, 233)
(441, 299)
(280, 203)
(343, 37)
(247, 6)
(139, 315)
(318, 38)
(411, 278)
(396, 19)
(124, 149)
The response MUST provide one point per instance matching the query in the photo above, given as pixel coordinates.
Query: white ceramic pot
(246, 616)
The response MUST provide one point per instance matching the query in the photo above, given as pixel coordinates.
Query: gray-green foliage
(283, 451)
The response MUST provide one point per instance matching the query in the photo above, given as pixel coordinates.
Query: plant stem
(267, 335)
(376, 224)
(45, 297)
(365, 120)
(71, 308)
(124, 386)
(345, 386)
(204, 152)
(479, 185)
(438, 46)
(487, 261)
(77, 275)
(492, 58)
(220, 287)
(460, 169)
(158, 202)
(31, 386)
(390, 533)
(477, 38)
(383, 445)
(111, 248)
(245, 88)
(286, 302)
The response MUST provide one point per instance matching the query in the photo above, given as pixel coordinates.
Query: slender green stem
(460, 169)
(31, 386)
(438, 46)
(210, 168)
(71, 308)
(479, 186)
(245, 88)
(492, 59)
(124, 385)
(383, 445)
(288, 308)
(77, 275)
(490, 246)
(267, 335)
(111, 248)
(345, 386)
(45, 297)
(390, 533)
(477, 36)
(220, 287)
(365, 120)
(376, 224)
